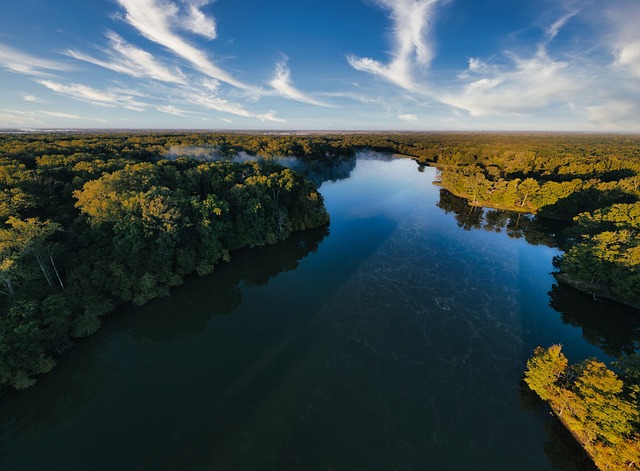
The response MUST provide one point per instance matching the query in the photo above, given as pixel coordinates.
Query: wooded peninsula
(91, 220)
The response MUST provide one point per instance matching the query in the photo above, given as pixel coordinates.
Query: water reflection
(610, 326)
(400, 344)
(58, 397)
(62, 400)
(562, 450)
(189, 308)
(535, 230)
(331, 170)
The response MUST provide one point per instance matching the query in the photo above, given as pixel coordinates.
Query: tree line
(591, 181)
(85, 230)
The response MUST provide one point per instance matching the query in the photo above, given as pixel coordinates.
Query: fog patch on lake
(318, 171)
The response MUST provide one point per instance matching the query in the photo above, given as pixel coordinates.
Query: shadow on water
(59, 396)
(333, 170)
(204, 378)
(562, 450)
(186, 312)
(535, 230)
(337, 361)
(610, 326)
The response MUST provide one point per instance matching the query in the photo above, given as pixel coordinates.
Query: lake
(396, 339)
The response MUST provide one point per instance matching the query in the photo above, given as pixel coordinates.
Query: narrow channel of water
(396, 339)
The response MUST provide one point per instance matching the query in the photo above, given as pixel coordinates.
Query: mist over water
(332, 168)
(397, 339)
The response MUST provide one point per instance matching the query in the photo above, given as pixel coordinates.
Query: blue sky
(561, 65)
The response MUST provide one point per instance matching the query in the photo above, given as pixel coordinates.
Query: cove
(394, 339)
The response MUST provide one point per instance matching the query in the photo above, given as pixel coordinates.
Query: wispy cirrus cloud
(360, 98)
(103, 98)
(157, 21)
(216, 103)
(524, 85)
(597, 90)
(20, 62)
(281, 83)
(411, 27)
(197, 22)
(171, 109)
(39, 118)
(60, 114)
(127, 59)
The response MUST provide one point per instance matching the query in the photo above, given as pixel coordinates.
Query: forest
(591, 182)
(92, 220)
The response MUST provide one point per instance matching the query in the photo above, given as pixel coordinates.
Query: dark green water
(395, 340)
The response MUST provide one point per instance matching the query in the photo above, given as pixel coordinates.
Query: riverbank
(597, 290)
(484, 204)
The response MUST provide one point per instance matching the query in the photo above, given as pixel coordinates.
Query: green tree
(544, 369)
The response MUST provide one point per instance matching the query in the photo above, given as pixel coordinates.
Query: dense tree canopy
(599, 408)
(99, 222)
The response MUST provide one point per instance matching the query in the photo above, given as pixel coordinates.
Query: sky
(416, 65)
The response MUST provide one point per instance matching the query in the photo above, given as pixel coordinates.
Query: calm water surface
(395, 339)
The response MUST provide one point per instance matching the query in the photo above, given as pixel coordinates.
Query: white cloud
(411, 22)
(524, 85)
(155, 20)
(128, 59)
(624, 37)
(91, 95)
(281, 82)
(216, 103)
(615, 115)
(532, 83)
(627, 57)
(553, 30)
(197, 22)
(476, 64)
(19, 119)
(170, 109)
(359, 97)
(23, 63)
(36, 119)
(31, 98)
(59, 114)
(408, 117)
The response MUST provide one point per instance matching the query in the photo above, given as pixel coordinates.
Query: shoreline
(598, 291)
